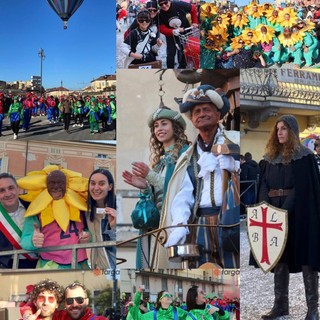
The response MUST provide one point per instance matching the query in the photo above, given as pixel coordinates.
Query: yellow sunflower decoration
(309, 26)
(62, 210)
(221, 21)
(253, 10)
(235, 42)
(208, 10)
(249, 39)
(272, 16)
(264, 33)
(288, 39)
(239, 23)
(287, 17)
(217, 39)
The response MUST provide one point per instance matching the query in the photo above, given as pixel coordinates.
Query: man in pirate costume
(194, 193)
(11, 222)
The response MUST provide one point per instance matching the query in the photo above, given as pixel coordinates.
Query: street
(41, 129)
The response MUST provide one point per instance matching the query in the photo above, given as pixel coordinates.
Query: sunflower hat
(217, 38)
(287, 17)
(249, 40)
(208, 10)
(272, 16)
(235, 42)
(253, 10)
(63, 210)
(264, 33)
(288, 38)
(221, 21)
(239, 23)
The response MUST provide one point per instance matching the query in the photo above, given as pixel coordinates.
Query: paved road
(41, 129)
(256, 289)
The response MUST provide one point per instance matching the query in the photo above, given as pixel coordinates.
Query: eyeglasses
(79, 300)
(152, 10)
(142, 20)
(166, 295)
(250, 35)
(50, 299)
(164, 3)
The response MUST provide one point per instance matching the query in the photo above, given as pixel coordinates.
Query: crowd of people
(62, 211)
(99, 112)
(197, 306)
(142, 41)
(259, 35)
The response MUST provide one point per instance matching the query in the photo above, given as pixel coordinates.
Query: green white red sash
(11, 231)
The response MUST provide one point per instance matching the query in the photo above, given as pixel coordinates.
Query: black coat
(303, 205)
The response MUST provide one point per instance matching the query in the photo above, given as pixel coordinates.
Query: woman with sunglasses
(142, 44)
(152, 7)
(101, 217)
(163, 308)
(198, 309)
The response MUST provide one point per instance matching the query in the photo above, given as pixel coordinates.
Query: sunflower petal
(39, 203)
(74, 214)
(51, 167)
(31, 195)
(61, 213)
(33, 182)
(78, 184)
(75, 200)
(47, 216)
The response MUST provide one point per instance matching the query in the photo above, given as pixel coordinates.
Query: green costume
(203, 314)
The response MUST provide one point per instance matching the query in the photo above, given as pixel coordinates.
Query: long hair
(191, 299)
(274, 148)
(110, 198)
(157, 149)
(158, 303)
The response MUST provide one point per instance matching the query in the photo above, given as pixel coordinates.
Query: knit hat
(204, 94)
(151, 4)
(166, 113)
(291, 121)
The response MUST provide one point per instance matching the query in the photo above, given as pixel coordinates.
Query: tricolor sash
(12, 232)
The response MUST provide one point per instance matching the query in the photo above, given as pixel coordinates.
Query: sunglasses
(42, 299)
(164, 3)
(152, 10)
(166, 295)
(142, 20)
(79, 300)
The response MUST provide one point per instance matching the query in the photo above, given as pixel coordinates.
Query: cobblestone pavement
(256, 289)
(41, 129)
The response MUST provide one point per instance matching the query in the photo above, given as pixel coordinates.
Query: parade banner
(267, 232)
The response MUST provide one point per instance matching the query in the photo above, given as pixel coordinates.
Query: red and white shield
(267, 232)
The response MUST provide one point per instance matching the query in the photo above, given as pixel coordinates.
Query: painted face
(205, 115)
(99, 187)
(47, 302)
(282, 132)
(163, 130)
(201, 296)
(166, 298)
(76, 303)
(9, 193)
(57, 184)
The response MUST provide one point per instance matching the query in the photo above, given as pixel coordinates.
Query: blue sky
(77, 55)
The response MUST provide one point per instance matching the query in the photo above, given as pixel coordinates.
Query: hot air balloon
(65, 8)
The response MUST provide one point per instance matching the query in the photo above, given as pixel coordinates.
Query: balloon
(65, 8)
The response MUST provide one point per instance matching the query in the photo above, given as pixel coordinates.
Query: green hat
(166, 113)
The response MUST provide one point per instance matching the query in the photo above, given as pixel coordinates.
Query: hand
(137, 56)
(133, 180)
(30, 316)
(292, 48)
(177, 236)
(112, 216)
(38, 237)
(212, 310)
(140, 169)
(195, 25)
(159, 42)
(306, 49)
(176, 32)
(84, 237)
(226, 163)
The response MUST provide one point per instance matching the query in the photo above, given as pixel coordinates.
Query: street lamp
(42, 57)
